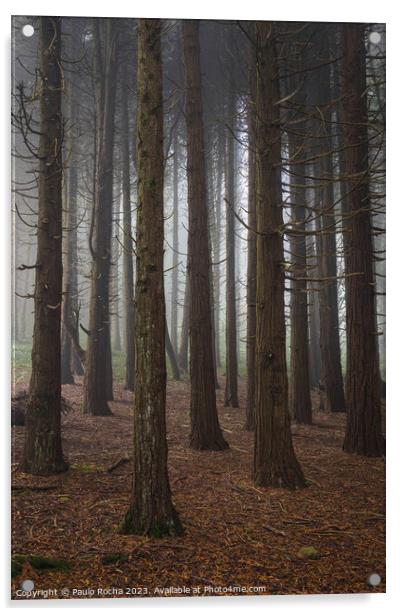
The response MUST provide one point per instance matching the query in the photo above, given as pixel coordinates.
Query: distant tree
(231, 395)
(363, 421)
(251, 249)
(43, 452)
(151, 511)
(128, 267)
(205, 429)
(275, 463)
(97, 379)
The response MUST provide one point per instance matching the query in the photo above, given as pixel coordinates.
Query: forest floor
(235, 534)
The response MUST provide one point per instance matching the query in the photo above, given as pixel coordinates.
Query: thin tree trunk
(299, 391)
(275, 463)
(175, 246)
(205, 429)
(331, 369)
(151, 511)
(363, 421)
(231, 395)
(98, 372)
(251, 253)
(183, 353)
(128, 268)
(172, 356)
(43, 454)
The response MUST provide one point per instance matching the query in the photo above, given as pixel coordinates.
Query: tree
(299, 391)
(43, 452)
(363, 420)
(97, 378)
(275, 463)
(128, 268)
(205, 429)
(331, 369)
(251, 251)
(151, 511)
(231, 395)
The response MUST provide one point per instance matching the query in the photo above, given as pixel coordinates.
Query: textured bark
(151, 511)
(275, 463)
(43, 453)
(299, 391)
(205, 429)
(331, 369)
(98, 372)
(217, 246)
(314, 318)
(175, 244)
(183, 352)
(128, 268)
(70, 257)
(251, 254)
(231, 395)
(363, 423)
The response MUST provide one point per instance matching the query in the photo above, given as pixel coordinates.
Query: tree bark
(151, 511)
(275, 463)
(231, 395)
(43, 454)
(299, 391)
(363, 422)
(205, 429)
(175, 243)
(331, 368)
(128, 267)
(183, 352)
(98, 377)
(251, 252)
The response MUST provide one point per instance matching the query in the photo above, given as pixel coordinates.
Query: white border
(291, 10)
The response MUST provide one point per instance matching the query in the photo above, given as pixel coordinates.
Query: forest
(198, 335)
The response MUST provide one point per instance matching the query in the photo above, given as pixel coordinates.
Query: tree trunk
(172, 356)
(231, 396)
(275, 463)
(43, 454)
(331, 369)
(299, 391)
(151, 511)
(314, 318)
(98, 377)
(363, 422)
(251, 253)
(128, 268)
(183, 352)
(205, 429)
(175, 244)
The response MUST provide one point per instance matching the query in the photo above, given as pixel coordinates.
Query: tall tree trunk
(205, 429)
(363, 422)
(251, 251)
(314, 318)
(151, 511)
(217, 245)
(128, 268)
(275, 463)
(115, 283)
(175, 245)
(172, 356)
(183, 352)
(299, 391)
(98, 377)
(331, 369)
(231, 396)
(43, 452)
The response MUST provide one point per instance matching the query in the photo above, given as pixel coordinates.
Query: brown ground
(236, 535)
